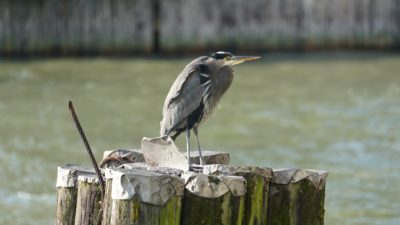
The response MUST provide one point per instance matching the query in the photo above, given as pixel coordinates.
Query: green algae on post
(212, 199)
(296, 197)
(144, 197)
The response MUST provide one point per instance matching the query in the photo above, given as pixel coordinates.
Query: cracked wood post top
(150, 186)
(67, 175)
(214, 186)
(293, 175)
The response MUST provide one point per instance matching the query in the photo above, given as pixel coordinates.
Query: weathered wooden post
(212, 199)
(256, 207)
(139, 194)
(67, 190)
(89, 200)
(113, 159)
(258, 180)
(107, 200)
(143, 197)
(296, 197)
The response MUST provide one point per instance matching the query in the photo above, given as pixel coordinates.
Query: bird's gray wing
(183, 98)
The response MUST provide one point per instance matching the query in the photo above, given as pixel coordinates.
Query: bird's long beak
(239, 59)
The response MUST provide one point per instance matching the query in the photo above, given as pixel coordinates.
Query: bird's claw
(196, 168)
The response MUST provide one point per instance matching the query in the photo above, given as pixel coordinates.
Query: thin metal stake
(85, 141)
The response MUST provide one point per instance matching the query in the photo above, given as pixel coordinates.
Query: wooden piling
(256, 200)
(144, 197)
(139, 194)
(256, 205)
(296, 197)
(67, 191)
(213, 199)
(115, 158)
(106, 217)
(89, 200)
(66, 203)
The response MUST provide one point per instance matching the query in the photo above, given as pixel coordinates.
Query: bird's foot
(196, 168)
(201, 161)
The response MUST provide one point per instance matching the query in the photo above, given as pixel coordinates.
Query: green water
(338, 112)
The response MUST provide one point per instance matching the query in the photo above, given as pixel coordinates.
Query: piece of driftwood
(67, 190)
(115, 158)
(162, 152)
(88, 206)
(213, 199)
(296, 197)
(258, 180)
(144, 197)
(210, 157)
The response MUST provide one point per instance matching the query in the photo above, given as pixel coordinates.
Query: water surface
(338, 112)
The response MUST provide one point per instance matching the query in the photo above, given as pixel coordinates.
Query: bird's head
(228, 59)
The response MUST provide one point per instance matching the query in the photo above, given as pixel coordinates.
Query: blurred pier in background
(124, 27)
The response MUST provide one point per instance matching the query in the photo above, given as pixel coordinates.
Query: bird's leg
(188, 144)
(198, 145)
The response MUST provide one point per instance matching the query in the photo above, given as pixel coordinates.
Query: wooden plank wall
(280, 24)
(73, 27)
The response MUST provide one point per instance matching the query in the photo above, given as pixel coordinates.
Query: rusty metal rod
(85, 141)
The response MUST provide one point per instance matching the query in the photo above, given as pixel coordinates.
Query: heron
(194, 95)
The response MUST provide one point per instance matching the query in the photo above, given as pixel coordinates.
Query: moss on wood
(138, 213)
(160, 215)
(279, 204)
(121, 212)
(309, 203)
(256, 198)
(224, 210)
(170, 214)
(299, 203)
(237, 205)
